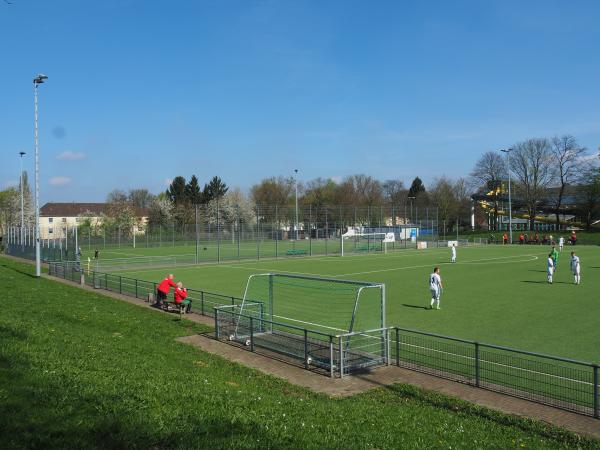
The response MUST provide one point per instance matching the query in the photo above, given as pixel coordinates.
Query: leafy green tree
(192, 191)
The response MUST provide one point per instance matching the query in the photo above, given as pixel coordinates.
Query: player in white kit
(550, 268)
(575, 268)
(453, 253)
(561, 243)
(435, 287)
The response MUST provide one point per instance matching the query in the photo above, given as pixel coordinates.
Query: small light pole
(411, 208)
(39, 79)
(22, 210)
(296, 180)
(510, 228)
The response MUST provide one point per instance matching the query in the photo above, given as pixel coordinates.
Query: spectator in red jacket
(164, 288)
(180, 297)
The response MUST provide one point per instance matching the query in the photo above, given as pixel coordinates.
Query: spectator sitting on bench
(163, 289)
(180, 297)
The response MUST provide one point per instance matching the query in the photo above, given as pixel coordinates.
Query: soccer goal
(355, 242)
(318, 320)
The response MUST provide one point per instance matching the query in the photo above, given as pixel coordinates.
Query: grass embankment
(82, 370)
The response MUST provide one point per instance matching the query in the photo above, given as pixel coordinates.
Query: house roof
(77, 209)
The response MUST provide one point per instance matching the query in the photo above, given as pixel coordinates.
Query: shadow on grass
(544, 282)
(42, 411)
(14, 269)
(415, 306)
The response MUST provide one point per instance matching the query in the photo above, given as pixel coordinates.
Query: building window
(50, 230)
(51, 219)
(64, 219)
(77, 219)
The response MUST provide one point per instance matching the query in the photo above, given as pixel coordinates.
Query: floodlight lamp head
(22, 154)
(40, 78)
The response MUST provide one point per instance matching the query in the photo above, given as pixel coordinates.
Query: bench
(170, 305)
(295, 252)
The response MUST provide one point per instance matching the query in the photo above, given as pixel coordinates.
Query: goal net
(326, 305)
(353, 242)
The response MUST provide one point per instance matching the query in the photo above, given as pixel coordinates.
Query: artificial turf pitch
(493, 294)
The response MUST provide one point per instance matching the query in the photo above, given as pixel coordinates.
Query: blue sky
(141, 91)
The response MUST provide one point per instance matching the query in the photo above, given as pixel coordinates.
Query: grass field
(80, 370)
(493, 294)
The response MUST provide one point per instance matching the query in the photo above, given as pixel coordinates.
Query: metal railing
(202, 302)
(558, 382)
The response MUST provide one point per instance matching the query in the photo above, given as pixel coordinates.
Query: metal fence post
(216, 324)
(477, 369)
(232, 301)
(306, 349)
(136, 288)
(120, 284)
(397, 347)
(251, 334)
(331, 365)
(596, 400)
(106, 281)
(202, 302)
(341, 357)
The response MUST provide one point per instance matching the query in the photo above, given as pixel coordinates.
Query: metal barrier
(558, 382)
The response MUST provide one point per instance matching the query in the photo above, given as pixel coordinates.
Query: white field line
(498, 260)
(483, 260)
(310, 323)
(501, 365)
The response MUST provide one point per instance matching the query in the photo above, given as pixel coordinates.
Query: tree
(273, 191)
(10, 205)
(214, 189)
(417, 187)
(394, 191)
(192, 191)
(140, 198)
(442, 194)
(159, 212)
(588, 195)
(462, 197)
(488, 173)
(566, 155)
(319, 192)
(120, 212)
(176, 191)
(531, 162)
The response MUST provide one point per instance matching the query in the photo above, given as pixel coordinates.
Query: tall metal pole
(38, 263)
(297, 223)
(509, 196)
(22, 209)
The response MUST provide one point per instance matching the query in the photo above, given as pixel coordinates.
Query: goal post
(365, 242)
(327, 305)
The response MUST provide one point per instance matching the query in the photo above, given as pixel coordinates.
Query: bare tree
(488, 174)
(531, 162)
(394, 191)
(566, 155)
(442, 196)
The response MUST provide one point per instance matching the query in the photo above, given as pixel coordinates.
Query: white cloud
(168, 182)
(336, 178)
(71, 156)
(60, 181)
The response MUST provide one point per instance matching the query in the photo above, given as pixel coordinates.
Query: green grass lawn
(493, 294)
(80, 370)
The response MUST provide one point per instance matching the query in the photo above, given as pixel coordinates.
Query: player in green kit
(554, 254)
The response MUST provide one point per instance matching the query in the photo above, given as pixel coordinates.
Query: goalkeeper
(554, 254)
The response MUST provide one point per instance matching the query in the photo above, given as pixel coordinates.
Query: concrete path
(380, 377)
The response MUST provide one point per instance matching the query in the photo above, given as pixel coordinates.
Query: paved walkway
(355, 384)
(385, 376)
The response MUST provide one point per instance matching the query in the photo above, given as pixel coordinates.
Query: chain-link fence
(213, 234)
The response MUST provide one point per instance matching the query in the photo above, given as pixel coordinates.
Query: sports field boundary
(558, 382)
(383, 377)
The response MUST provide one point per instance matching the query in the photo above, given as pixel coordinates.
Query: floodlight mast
(39, 79)
(22, 210)
(296, 183)
(510, 227)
